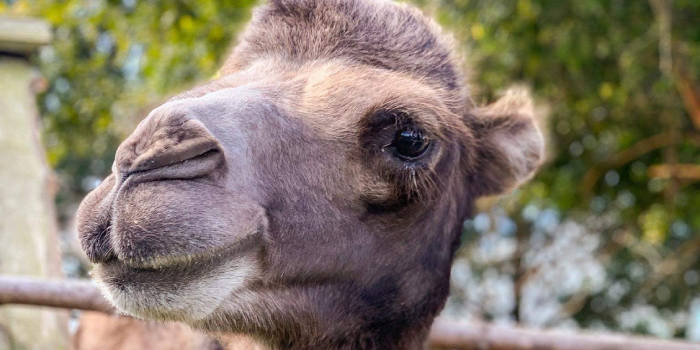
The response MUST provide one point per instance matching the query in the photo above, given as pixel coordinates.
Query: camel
(312, 196)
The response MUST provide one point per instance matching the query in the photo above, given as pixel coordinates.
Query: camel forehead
(377, 33)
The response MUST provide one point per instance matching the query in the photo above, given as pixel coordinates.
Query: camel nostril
(174, 150)
(178, 152)
(178, 165)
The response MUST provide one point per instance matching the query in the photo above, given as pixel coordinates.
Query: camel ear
(511, 146)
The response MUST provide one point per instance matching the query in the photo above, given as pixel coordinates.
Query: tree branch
(690, 95)
(679, 171)
(83, 295)
(633, 152)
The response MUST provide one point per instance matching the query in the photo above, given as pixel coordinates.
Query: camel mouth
(174, 265)
(171, 263)
(117, 277)
(120, 275)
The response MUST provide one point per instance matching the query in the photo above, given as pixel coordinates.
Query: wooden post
(26, 202)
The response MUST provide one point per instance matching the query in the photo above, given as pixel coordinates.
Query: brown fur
(98, 331)
(272, 201)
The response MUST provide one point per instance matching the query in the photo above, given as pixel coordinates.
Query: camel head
(312, 196)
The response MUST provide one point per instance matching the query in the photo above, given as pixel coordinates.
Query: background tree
(608, 234)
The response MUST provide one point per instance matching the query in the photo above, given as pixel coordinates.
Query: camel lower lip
(118, 273)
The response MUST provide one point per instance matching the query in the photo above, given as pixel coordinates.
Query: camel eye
(410, 144)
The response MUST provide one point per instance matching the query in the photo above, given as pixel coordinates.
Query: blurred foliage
(610, 74)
